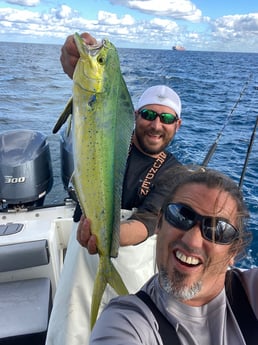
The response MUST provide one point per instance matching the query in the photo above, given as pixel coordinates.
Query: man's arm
(131, 232)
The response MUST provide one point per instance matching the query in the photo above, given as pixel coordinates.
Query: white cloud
(164, 24)
(235, 32)
(225, 33)
(57, 23)
(237, 24)
(65, 11)
(108, 18)
(28, 3)
(14, 16)
(177, 9)
(140, 32)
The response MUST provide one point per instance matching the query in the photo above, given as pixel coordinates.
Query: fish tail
(106, 274)
(116, 282)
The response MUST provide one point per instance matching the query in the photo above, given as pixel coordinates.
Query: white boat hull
(36, 251)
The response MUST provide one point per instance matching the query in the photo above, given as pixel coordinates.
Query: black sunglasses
(151, 115)
(213, 229)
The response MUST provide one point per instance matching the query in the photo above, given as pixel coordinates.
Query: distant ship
(179, 48)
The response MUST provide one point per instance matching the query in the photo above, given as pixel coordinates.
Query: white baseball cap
(162, 95)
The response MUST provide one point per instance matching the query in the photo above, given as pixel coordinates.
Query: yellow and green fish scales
(103, 119)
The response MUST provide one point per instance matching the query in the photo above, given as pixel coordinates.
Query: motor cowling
(67, 162)
(26, 174)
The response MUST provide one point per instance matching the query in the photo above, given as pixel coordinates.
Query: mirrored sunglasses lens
(148, 114)
(219, 231)
(179, 216)
(151, 115)
(167, 118)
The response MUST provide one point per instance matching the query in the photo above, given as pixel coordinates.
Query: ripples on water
(34, 91)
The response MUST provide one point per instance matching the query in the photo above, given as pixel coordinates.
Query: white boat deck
(52, 224)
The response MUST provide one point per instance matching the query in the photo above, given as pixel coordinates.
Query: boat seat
(25, 308)
(23, 255)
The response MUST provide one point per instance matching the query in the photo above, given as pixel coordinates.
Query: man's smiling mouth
(189, 260)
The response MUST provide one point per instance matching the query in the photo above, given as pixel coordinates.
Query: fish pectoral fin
(64, 116)
(106, 274)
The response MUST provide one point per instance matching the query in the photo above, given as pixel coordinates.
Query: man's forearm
(132, 232)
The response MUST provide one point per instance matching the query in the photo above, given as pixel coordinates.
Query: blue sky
(214, 25)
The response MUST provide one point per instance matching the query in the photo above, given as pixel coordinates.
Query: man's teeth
(187, 259)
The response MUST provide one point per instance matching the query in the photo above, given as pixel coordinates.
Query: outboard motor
(25, 169)
(67, 166)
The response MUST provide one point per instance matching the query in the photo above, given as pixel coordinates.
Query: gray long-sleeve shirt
(128, 321)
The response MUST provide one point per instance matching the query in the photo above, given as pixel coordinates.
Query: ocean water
(219, 93)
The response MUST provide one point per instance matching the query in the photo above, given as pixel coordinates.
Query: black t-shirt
(139, 167)
(143, 171)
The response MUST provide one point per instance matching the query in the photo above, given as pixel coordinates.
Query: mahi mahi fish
(102, 125)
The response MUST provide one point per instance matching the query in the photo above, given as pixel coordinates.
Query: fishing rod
(248, 154)
(215, 144)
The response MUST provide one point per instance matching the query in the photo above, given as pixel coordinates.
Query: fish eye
(101, 60)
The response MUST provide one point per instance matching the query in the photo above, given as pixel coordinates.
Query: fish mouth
(93, 49)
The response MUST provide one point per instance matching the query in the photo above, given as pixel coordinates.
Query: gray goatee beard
(175, 286)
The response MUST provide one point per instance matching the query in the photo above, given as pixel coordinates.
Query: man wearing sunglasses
(157, 119)
(201, 233)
